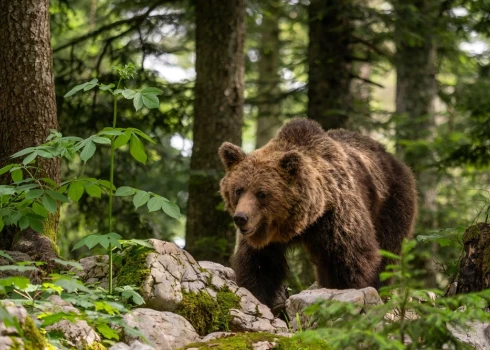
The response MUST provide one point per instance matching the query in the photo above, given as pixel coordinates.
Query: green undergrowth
(33, 339)
(206, 313)
(245, 341)
(134, 269)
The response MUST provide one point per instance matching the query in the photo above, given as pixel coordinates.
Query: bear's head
(264, 192)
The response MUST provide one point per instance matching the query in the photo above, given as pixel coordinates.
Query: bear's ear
(230, 155)
(291, 162)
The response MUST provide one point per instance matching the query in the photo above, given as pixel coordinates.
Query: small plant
(409, 319)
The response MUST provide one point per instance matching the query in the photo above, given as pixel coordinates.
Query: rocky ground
(194, 305)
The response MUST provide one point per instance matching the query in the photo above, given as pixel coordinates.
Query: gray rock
(77, 334)
(216, 269)
(263, 345)
(164, 330)
(296, 304)
(60, 305)
(216, 335)
(95, 270)
(477, 335)
(16, 311)
(34, 276)
(135, 345)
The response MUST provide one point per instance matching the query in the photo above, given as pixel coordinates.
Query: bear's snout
(240, 220)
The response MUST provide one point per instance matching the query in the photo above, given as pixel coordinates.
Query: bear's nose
(240, 219)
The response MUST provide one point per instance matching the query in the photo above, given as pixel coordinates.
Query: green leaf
(29, 158)
(104, 87)
(171, 209)
(121, 140)
(93, 190)
(57, 196)
(143, 135)
(150, 101)
(107, 184)
(151, 91)
(137, 149)
(23, 223)
(110, 132)
(154, 204)
(17, 268)
(125, 191)
(88, 151)
(36, 225)
(75, 191)
(6, 168)
(33, 194)
(140, 242)
(23, 152)
(75, 89)
(102, 140)
(50, 204)
(16, 281)
(17, 175)
(71, 285)
(49, 181)
(40, 210)
(140, 198)
(102, 240)
(128, 94)
(2, 224)
(6, 256)
(106, 331)
(74, 264)
(138, 101)
(90, 85)
(49, 319)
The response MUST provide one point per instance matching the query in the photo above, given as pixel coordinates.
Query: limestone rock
(477, 335)
(298, 302)
(164, 330)
(95, 270)
(34, 276)
(135, 345)
(216, 269)
(78, 334)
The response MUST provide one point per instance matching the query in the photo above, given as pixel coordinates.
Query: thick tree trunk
(27, 97)
(269, 116)
(474, 270)
(329, 61)
(416, 92)
(218, 117)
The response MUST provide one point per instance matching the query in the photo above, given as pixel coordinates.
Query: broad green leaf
(90, 85)
(88, 241)
(151, 91)
(5, 255)
(23, 223)
(102, 240)
(6, 190)
(12, 218)
(56, 195)
(105, 87)
(140, 242)
(75, 191)
(50, 204)
(49, 319)
(30, 158)
(2, 224)
(121, 140)
(71, 285)
(93, 190)
(74, 264)
(49, 181)
(40, 210)
(36, 225)
(125, 191)
(88, 151)
(6, 168)
(110, 132)
(171, 209)
(129, 293)
(137, 101)
(17, 268)
(33, 194)
(106, 331)
(17, 175)
(150, 101)
(75, 89)
(143, 135)
(44, 154)
(107, 184)
(16, 281)
(128, 94)
(137, 149)
(140, 198)
(154, 204)
(23, 152)
(118, 91)
(102, 140)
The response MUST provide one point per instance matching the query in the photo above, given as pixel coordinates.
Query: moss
(471, 233)
(95, 346)
(33, 339)
(206, 313)
(245, 341)
(134, 269)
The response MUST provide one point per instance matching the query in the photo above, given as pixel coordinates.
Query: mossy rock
(33, 339)
(95, 346)
(134, 269)
(245, 341)
(207, 314)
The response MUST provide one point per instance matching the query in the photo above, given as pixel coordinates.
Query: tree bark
(474, 270)
(416, 91)
(269, 115)
(329, 61)
(27, 95)
(218, 117)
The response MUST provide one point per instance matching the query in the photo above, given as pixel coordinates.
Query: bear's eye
(239, 191)
(261, 195)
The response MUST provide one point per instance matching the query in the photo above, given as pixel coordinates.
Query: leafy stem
(111, 184)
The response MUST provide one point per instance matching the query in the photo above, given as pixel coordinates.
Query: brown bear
(339, 193)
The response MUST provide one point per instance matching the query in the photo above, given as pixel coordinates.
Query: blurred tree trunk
(269, 116)
(416, 91)
(27, 97)
(329, 61)
(218, 117)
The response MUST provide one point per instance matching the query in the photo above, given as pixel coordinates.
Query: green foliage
(409, 319)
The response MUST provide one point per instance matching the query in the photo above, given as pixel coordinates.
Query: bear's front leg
(261, 271)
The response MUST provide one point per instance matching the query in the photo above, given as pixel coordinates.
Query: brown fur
(339, 193)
